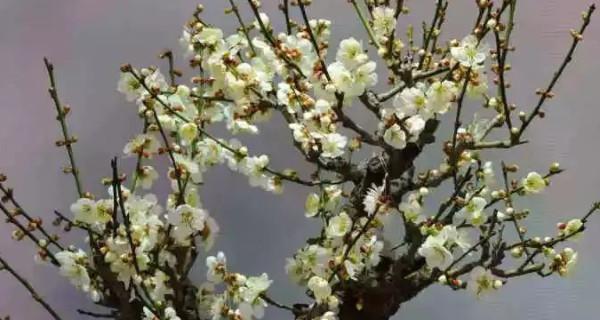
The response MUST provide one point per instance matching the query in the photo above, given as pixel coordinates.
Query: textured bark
(380, 297)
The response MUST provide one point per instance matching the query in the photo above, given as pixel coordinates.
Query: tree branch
(5, 266)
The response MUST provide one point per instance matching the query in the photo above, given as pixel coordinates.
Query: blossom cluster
(380, 223)
(244, 80)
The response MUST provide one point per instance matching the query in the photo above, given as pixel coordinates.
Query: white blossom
(412, 101)
(169, 312)
(144, 144)
(411, 208)
(217, 266)
(88, 212)
(129, 86)
(329, 315)
(572, 228)
(488, 174)
(372, 200)
(186, 221)
(333, 145)
(146, 176)
(470, 53)
(457, 237)
(482, 281)
(253, 306)
(395, 137)
(533, 183)
(339, 225)
(312, 205)
(351, 53)
(320, 288)
(73, 266)
(343, 79)
(384, 22)
(473, 211)
(188, 132)
(440, 96)
(415, 126)
(564, 262)
(435, 253)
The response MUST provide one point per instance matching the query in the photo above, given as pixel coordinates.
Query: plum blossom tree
(141, 247)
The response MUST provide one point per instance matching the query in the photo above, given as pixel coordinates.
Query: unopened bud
(576, 35)
(501, 216)
(498, 284)
(443, 280)
(516, 252)
(125, 67)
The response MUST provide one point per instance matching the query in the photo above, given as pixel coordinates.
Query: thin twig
(577, 37)
(61, 114)
(275, 303)
(365, 23)
(430, 34)
(5, 266)
(12, 219)
(118, 194)
(454, 156)
(236, 11)
(286, 13)
(8, 193)
(91, 314)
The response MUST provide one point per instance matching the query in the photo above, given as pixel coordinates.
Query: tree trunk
(130, 311)
(381, 298)
(373, 304)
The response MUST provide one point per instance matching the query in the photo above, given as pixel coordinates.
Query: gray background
(88, 40)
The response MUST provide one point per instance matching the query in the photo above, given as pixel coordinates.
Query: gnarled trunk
(402, 281)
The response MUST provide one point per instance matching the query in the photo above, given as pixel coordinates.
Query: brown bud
(126, 67)
(522, 230)
(197, 80)
(541, 114)
(454, 282)
(460, 201)
(88, 195)
(576, 35)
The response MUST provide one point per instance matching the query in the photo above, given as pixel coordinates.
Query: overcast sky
(88, 40)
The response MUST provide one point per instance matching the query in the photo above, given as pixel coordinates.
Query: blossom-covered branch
(385, 236)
